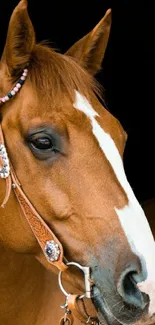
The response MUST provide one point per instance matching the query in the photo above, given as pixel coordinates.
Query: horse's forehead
(61, 111)
(94, 112)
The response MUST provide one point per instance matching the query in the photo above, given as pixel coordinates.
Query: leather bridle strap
(77, 307)
(40, 229)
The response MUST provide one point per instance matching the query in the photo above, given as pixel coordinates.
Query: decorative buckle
(52, 250)
(5, 169)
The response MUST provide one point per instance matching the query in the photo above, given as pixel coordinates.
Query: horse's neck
(19, 288)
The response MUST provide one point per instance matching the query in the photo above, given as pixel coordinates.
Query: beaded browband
(15, 89)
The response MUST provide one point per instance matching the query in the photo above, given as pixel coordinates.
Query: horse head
(67, 150)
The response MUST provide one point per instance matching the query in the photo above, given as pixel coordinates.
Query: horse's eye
(42, 144)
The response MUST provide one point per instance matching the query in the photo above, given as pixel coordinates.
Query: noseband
(49, 243)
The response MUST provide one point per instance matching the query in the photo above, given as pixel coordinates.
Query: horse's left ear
(89, 50)
(20, 40)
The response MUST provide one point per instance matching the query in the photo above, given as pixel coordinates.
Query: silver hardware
(64, 306)
(5, 169)
(93, 320)
(86, 271)
(52, 250)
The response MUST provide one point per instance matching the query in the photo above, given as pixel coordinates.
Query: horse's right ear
(20, 40)
(90, 49)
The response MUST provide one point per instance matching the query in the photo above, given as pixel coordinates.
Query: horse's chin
(104, 315)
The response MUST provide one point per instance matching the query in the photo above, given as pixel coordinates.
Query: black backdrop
(127, 71)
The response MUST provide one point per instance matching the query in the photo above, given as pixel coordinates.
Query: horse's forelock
(54, 74)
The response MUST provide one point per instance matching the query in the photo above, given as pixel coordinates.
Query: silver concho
(5, 169)
(52, 251)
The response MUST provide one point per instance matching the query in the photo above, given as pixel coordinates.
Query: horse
(69, 218)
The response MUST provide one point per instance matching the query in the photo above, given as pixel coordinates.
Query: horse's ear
(89, 50)
(20, 40)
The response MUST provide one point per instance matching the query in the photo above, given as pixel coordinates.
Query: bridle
(49, 243)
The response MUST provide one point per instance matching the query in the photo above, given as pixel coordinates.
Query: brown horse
(66, 150)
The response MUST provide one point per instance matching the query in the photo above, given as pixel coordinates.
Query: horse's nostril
(130, 293)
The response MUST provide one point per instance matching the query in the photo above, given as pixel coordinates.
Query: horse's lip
(104, 314)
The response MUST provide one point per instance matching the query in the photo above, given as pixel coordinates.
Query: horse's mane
(51, 73)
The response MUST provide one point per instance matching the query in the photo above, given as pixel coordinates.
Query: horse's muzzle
(116, 311)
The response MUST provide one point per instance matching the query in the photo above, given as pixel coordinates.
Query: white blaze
(132, 217)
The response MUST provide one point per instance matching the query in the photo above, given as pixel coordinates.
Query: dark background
(128, 69)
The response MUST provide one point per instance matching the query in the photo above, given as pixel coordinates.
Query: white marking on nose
(132, 217)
